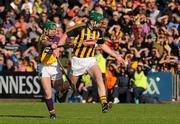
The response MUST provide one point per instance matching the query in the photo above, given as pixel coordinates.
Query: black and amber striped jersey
(85, 40)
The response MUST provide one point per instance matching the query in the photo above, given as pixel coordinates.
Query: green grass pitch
(13, 112)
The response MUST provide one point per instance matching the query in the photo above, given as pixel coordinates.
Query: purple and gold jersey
(46, 52)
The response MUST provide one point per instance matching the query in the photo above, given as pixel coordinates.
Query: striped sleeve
(101, 38)
(74, 30)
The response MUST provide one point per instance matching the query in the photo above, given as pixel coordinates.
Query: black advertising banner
(20, 85)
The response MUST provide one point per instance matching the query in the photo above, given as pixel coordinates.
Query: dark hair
(149, 37)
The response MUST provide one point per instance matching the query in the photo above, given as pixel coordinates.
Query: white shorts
(81, 65)
(53, 71)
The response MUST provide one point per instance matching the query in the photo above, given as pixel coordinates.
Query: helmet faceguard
(95, 19)
(48, 26)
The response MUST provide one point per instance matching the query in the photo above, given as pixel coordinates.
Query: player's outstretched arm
(111, 52)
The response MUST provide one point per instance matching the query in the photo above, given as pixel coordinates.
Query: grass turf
(74, 113)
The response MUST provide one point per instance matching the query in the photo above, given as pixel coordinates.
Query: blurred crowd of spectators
(145, 31)
(141, 30)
